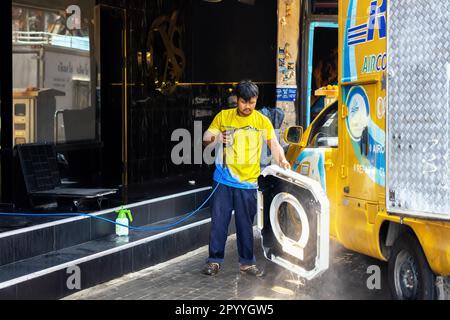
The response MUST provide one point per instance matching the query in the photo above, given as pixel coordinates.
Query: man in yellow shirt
(241, 131)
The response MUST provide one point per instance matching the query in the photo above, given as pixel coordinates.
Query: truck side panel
(362, 74)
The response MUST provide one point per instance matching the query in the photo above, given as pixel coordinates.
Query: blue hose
(164, 227)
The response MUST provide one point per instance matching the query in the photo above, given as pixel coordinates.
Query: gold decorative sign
(168, 70)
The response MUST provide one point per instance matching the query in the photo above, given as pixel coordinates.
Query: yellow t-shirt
(240, 168)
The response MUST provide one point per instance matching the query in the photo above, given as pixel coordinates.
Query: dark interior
(215, 43)
(325, 65)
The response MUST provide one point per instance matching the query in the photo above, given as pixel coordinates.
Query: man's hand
(285, 164)
(226, 137)
(278, 154)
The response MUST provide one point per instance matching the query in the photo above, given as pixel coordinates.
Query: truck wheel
(410, 276)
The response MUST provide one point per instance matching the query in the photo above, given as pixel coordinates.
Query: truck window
(324, 133)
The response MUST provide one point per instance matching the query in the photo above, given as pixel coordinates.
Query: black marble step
(46, 276)
(57, 234)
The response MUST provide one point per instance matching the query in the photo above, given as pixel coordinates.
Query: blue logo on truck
(366, 32)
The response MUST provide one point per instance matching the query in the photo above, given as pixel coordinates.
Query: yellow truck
(380, 151)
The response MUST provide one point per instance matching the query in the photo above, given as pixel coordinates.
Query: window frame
(320, 121)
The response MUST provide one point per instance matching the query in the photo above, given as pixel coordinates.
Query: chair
(42, 180)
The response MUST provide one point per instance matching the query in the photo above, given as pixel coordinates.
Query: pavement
(181, 279)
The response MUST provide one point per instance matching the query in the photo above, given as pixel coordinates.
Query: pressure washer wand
(228, 134)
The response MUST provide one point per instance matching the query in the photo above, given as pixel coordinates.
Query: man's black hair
(246, 90)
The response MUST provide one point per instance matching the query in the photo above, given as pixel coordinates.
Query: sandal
(211, 268)
(251, 270)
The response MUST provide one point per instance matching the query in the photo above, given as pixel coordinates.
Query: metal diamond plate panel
(418, 143)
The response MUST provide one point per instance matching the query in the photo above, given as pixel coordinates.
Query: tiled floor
(181, 279)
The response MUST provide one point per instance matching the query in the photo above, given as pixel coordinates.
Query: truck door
(319, 159)
(293, 218)
(364, 141)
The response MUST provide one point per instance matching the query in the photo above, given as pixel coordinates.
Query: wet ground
(347, 278)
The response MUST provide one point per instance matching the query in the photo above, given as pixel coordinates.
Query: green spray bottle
(122, 219)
